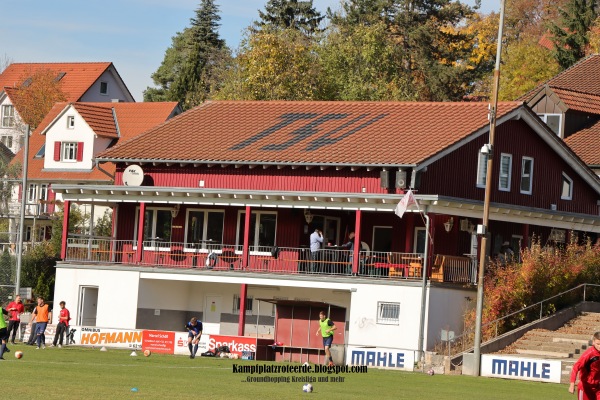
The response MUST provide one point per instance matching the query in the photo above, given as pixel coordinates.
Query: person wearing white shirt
(316, 240)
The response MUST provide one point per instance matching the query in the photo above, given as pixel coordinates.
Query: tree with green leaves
(571, 34)
(361, 62)
(290, 14)
(189, 70)
(363, 12)
(526, 64)
(274, 64)
(170, 68)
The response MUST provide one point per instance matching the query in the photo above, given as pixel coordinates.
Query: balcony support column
(140, 236)
(65, 229)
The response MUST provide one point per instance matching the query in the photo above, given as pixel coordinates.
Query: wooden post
(140, 237)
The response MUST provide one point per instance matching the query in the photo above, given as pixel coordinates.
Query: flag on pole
(407, 201)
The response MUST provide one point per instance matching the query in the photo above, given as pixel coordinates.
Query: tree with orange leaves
(36, 95)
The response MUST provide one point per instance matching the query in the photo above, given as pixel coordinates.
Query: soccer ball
(147, 353)
(307, 388)
(431, 372)
(18, 354)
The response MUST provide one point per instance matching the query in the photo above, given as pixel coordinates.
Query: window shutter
(80, 151)
(56, 151)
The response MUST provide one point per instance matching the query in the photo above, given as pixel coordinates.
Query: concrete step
(545, 353)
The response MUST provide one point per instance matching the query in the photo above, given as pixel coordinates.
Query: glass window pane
(266, 230)
(148, 224)
(214, 228)
(553, 122)
(195, 227)
(163, 225)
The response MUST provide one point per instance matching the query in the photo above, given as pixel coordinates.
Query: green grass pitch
(85, 373)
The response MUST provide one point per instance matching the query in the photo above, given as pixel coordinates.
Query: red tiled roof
(581, 78)
(99, 118)
(579, 101)
(78, 77)
(584, 144)
(132, 118)
(350, 133)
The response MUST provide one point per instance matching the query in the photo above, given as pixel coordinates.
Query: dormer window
(68, 151)
(70, 122)
(554, 122)
(104, 88)
(566, 192)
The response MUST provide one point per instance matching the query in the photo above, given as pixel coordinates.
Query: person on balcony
(316, 241)
(349, 245)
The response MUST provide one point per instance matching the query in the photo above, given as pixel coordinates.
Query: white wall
(115, 91)
(446, 310)
(364, 329)
(117, 294)
(59, 132)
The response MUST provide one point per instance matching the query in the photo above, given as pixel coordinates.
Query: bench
(451, 269)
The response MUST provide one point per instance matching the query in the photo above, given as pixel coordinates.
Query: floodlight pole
(486, 202)
(22, 213)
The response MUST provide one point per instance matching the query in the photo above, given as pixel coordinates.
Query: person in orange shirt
(42, 316)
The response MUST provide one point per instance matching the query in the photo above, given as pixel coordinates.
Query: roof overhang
(303, 303)
(111, 195)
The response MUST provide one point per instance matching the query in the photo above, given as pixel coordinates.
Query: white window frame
(236, 305)
(43, 195)
(104, 93)
(7, 119)
(153, 247)
(7, 140)
(569, 196)
(505, 174)
(32, 193)
(384, 307)
(544, 117)
(206, 211)
(70, 122)
(68, 150)
(482, 163)
(240, 240)
(530, 190)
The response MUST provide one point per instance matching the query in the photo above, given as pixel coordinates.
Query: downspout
(423, 290)
(105, 172)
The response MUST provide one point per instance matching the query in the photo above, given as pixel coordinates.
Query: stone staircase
(565, 344)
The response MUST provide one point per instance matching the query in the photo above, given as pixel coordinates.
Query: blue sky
(133, 34)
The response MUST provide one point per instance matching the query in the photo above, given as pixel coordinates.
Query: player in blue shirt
(194, 328)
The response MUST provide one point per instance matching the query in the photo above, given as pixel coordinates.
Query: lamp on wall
(308, 216)
(175, 211)
(449, 224)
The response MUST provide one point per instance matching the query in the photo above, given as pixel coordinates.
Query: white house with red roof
(80, 82)
(63, 148)
(214, 210)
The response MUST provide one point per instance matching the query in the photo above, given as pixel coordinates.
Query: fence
(535, 312)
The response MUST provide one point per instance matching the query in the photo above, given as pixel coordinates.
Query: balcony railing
(224, 257)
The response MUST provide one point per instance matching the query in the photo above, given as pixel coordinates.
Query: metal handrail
(497, 320)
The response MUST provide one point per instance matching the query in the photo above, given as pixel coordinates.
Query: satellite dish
(133, 176)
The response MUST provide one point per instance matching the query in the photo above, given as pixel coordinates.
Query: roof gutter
(245, 162)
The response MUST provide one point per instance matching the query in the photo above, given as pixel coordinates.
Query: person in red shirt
(63, 324)
(588, 368)
(15, 309)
